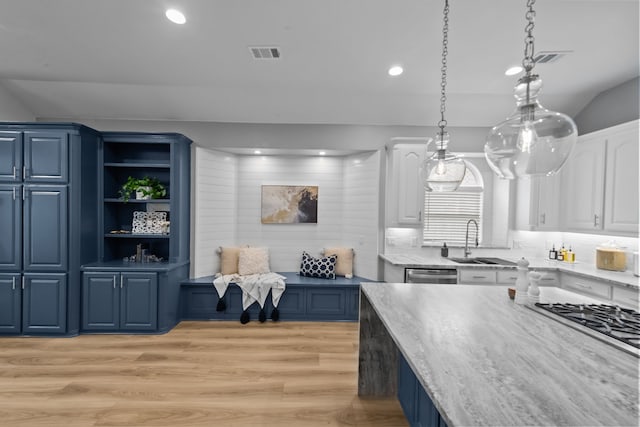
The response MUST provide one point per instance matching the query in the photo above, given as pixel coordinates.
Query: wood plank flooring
(199, 374)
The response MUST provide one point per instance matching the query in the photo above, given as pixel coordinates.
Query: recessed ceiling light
(175, 16)
(513, 71)
(396, 70)
(257, 152)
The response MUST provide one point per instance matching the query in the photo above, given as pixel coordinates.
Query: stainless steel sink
(483, 261)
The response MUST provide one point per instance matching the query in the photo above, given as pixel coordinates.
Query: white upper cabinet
(538, 203)
(405, 193)
(621, 185)
(601, 191)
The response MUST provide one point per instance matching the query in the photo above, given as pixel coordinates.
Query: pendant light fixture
(443, 171)
(533, 141)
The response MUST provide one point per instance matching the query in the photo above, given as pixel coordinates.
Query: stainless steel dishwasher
(439, 276)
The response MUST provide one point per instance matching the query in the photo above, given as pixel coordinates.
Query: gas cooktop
(621, 324)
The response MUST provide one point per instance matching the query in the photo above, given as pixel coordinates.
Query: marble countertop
(623, 278)
(484, 360)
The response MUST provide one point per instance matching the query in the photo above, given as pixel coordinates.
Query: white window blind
(447, 214)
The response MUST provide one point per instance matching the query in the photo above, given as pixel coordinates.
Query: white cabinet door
(405, 195)
(584, 191)
(586, 286)
(621, 191)
(538, 203)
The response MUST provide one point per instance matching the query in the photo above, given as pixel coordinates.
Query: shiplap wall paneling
(361, 211)
(287, 241)
(215, 207)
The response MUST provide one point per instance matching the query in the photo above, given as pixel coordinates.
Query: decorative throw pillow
(324, 268)
(229, 260)
(253, 261)
(344, 264)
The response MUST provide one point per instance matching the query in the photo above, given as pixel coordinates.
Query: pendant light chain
(527, 62)
(443, 84)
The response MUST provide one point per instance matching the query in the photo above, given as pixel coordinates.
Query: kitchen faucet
(467, 251)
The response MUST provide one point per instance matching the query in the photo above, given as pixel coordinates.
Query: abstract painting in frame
(289, 204)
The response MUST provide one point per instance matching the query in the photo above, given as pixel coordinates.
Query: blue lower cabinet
(292, 304)
(418, 408)
(330, 303)
(44, 303)
(114, 301)
(10, 303)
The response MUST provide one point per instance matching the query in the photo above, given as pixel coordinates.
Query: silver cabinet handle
(580, 285)
(596, 220)
(14, 282)
(22, 282)
(15, 172)
(543, 218)
(14, 193)
(419, 216)
(24, 172)
(121, 280)
(479, 277)
(114, 281)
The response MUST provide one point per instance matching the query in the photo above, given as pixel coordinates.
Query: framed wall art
(289, 204)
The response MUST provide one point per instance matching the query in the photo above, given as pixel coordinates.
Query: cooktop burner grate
(620, 323)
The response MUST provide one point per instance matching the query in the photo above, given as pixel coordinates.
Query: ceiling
(122, 59)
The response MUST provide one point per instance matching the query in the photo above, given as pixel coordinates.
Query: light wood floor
(199, 374)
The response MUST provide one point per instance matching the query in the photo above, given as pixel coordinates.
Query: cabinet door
(139, 301)
(45, 228)
(10, 307)
(100, 301)
(10, 227)
(44, 303)
(327, 303)
(292, 304)
(408, 184)
(407, 389)
(548, 199)
(46, 156)
(583, 194)
(11, 156)
(621, 195)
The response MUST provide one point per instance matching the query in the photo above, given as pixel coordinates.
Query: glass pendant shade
(443, 170)
(533, 141)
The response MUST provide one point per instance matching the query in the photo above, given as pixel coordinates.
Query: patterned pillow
(324, 268)
(253, 261)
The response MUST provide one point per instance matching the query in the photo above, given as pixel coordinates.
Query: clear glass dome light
(533, 141)
(443, 170)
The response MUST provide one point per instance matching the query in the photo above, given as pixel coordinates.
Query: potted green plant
(142, 188)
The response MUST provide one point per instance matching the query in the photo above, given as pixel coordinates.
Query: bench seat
(305, 299)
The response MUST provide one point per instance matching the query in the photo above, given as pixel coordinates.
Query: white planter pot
(140, 195)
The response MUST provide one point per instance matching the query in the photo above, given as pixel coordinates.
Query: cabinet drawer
(549, 278)
(586, 286)
(507, 277)
(626, 297)
(477, 276)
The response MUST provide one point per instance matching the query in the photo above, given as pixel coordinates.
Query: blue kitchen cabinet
(10, 303)
(113, 302)
(48, 220)
(418, 408)
(10, 227)
(11, 156)
(292, 304)
(44, 303)
(46, 156)
(327, 302)
(45, 228)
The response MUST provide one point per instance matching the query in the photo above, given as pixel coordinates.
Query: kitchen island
(483, 360)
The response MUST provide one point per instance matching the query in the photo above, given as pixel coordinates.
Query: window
(447, 214)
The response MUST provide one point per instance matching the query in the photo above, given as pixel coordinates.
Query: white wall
(214, 208)
(361, 220)
(12, 110)
(227, 203)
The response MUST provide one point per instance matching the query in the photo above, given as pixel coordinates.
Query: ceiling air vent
(549, 57)
(260, 52)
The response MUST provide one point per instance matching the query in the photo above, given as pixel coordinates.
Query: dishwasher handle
(431, 275)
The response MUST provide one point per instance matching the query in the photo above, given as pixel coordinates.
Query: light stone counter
(484, 360)
(617, 278)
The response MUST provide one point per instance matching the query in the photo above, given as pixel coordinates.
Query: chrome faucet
(467, 251)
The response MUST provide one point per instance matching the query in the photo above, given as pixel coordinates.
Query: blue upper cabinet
(46, 156)
(11, 156)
